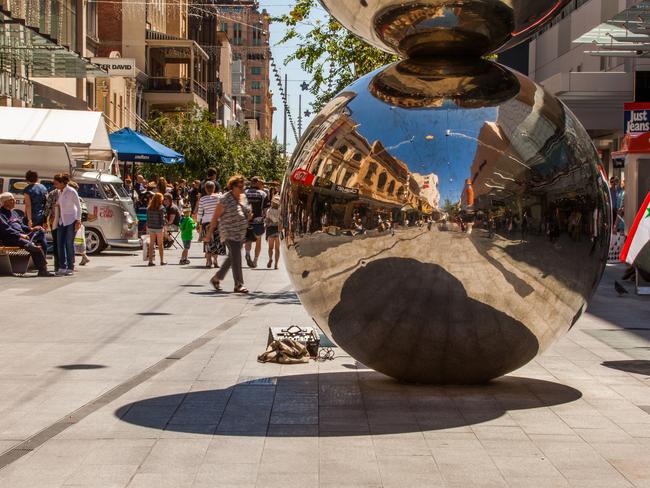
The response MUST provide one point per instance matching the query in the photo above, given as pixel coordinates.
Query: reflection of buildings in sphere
(450, 306)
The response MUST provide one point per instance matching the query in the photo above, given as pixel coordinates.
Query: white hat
(6, 196)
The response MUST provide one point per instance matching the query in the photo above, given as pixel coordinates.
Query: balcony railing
(171, 84)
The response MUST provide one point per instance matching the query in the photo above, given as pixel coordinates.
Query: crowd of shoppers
(226, 221)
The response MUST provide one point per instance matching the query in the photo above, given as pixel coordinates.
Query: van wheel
(94, 242)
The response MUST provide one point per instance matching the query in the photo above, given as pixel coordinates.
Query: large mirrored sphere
(449, 27)
(445, 221)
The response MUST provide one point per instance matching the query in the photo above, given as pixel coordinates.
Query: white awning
(36, 137)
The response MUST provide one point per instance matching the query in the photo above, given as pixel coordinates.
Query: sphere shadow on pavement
(340, 404)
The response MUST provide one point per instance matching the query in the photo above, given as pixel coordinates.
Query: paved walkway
(143, 377)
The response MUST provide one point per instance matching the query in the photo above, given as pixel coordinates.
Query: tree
(328, 52)
(206, 145)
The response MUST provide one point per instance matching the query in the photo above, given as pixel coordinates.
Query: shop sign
(118, 67)
(345, 189)
(302, 176)
(637, 117)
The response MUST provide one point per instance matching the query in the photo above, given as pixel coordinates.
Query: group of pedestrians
(227, 220)
(59, 211)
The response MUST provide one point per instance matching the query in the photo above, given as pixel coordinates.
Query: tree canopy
(205, 145)
(327, 51)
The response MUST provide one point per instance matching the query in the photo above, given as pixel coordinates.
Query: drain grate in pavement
(255, 381)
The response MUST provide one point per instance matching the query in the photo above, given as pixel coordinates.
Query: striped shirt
(207, 204)
(234, 220)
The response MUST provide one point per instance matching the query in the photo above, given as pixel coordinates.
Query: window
(343, 149)
(257, 36)
(357, 157)
(237, 34)
(90, 190)
(91, 19)
(223, 27)
(372, 168)
(257, 99)
(256, 70)
(391, 187)
(256, 85)
(381, 182)
(346, 178)
(17, 185)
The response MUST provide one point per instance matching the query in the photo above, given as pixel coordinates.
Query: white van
(111, 215)
(51, 141)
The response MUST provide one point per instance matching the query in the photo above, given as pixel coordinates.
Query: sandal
(163, 263)
(268, 265)
(215, 283)
(241, 289)
(151, 263)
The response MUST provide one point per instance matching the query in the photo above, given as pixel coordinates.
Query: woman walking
(156, 226)
(272, 221)
(69, 222)
(233, 214)
(207, 205)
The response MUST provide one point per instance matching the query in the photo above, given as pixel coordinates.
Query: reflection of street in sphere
(462, 175)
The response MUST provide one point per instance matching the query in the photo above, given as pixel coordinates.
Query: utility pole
(286, 111)
(299, 116)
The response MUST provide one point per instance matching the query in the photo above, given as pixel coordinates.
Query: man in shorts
(258, 200)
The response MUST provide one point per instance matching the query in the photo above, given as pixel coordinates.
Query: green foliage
(204, 145)
(328, 52)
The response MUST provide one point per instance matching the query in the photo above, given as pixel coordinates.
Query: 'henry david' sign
(637, 117)
(116, 66)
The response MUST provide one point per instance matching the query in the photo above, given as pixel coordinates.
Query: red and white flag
(637, 246)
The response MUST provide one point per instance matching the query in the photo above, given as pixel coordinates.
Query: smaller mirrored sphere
(443, 27)
(445, 221)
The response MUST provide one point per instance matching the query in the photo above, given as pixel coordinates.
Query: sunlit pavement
(126, 375)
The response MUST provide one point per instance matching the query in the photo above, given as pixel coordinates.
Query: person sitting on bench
(16, 234)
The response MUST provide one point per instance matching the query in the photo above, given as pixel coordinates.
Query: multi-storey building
(595, 87)
(248, 31)
(171, 70)
(41, 54)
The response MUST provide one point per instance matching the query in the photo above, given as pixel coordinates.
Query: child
(187, 226)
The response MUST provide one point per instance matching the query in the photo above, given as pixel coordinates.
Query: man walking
(258, 200)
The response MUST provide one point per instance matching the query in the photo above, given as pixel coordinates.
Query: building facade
(593, 87)
(248, 30)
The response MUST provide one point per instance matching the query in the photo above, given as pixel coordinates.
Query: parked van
(111, 214)
(51, 141)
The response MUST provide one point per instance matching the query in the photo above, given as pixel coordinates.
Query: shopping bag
(80, 241)
(145, 247)
(615, 246)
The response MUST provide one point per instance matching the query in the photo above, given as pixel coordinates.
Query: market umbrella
(133, 146)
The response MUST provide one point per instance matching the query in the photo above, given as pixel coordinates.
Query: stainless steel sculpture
(445, 219)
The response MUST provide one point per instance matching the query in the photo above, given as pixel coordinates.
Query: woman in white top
(69, 222)
(207, 204)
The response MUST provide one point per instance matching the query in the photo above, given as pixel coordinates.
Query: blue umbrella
(134, 146)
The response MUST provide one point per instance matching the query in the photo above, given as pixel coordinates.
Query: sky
(294, 73)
